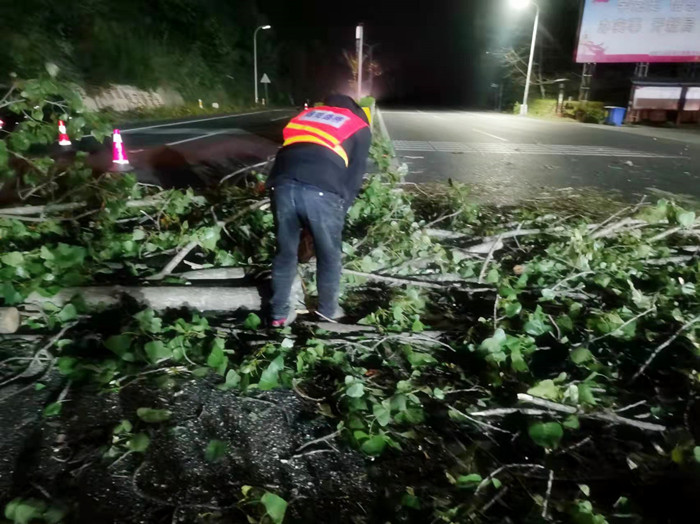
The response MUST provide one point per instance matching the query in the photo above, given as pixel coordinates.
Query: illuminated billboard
(615, 31)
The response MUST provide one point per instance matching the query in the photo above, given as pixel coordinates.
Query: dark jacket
(320, 167)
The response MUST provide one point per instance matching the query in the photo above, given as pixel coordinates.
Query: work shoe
(339, 314)
(284, 322)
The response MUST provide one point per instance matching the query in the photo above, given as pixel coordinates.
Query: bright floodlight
(266, 27)
(519, 4)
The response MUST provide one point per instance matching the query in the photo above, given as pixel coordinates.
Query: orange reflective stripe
(311, 129)
(315, 140)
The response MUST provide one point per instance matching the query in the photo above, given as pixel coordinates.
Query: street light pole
(255, 58)
(522, 4)
(359, 40)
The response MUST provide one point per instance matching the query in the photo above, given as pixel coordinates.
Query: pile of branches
(500, 363)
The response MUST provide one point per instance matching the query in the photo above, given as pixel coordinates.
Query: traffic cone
(306, 106)
(119, 160)
(63, 139)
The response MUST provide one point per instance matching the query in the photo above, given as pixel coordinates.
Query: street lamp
(522, 4)
(255, 57)
(359, 45)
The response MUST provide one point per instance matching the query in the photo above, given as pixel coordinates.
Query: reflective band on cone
(119, 160)
(63, 139)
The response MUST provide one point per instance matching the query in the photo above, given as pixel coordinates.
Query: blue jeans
(296, 205)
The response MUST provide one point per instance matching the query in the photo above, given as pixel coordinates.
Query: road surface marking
(191, 139)
(280, 118)
(133, 129)
(489, 134)
(414, 157)
(523, 149)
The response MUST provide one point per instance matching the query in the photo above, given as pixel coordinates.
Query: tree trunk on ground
(9, 320)
(160, 298)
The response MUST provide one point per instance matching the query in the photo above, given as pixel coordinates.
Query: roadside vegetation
(201, 49)
(524, 363)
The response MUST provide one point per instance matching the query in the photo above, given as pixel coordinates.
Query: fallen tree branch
(495, 473)
(319, 440)
(174, 262)
(71, 206)
(255, 205)
(243, 170)
(616, 226)
(664, 346)
(482, 273)
(571, 410)
(619, 329)
(417, 283)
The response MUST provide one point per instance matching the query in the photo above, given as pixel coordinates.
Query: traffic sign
(265, 79)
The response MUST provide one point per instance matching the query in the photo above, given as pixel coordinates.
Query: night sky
(433, 53)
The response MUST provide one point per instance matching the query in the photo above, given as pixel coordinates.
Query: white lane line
(133, 129)
(524, 149)
(489, 134)
(280, 118)
(191, 139)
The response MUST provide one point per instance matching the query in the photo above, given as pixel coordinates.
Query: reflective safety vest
(326, 126)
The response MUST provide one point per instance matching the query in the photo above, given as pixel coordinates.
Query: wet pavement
(198, 151)
(522, 156)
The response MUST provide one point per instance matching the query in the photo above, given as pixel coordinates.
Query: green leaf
(148, 321)
(545, 389)
(356, 390)
(495, 343)
(153, 415)
(417, 326)
(217, 356)
(686, 219)
(581, 355)
(118, 344)
(10, 294)
(438, 393)
(374, 445)
(232, 380)
(696, 453)
(496, 483)
(469, 481)
(138, 443)
(157, 351)
(492, 276)
(548, 294)
(67, 313)
(536, 326)
(585, 395)
(410, 501)
(216, 449)
(252, 322)
(3, 154)
(24, 511)
(13, 259)
(517, 362)
(275, 507)
(269, 379)
(546, 434)
(382, 414)
(52, 409)
(513, 309)
(124, 426)
(572, 422)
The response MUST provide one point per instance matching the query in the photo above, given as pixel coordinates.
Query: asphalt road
(521, 156)
(195, 151)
